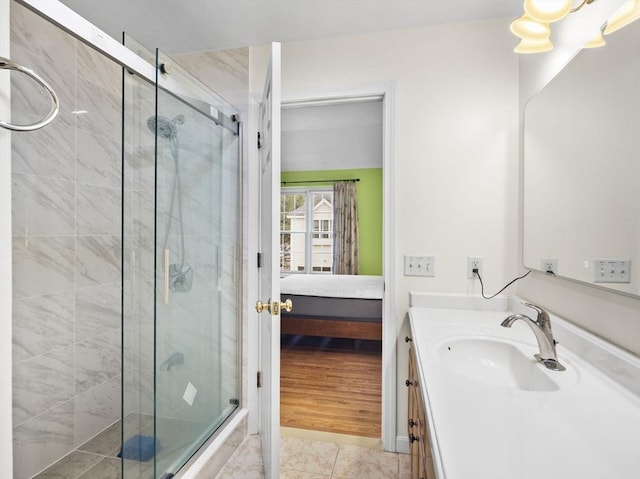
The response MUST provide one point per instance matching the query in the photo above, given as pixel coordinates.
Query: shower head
(166, 128)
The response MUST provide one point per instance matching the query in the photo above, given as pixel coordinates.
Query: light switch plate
(420, 266)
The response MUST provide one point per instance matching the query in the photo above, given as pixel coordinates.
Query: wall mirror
(582, 168)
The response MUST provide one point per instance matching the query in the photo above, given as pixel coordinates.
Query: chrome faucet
(541, 328)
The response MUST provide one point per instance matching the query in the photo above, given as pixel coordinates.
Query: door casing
(386, 91)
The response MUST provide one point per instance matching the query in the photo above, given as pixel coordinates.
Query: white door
(269, 272)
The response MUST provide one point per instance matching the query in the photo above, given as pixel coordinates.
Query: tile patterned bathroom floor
(322, 457)
(304, 455)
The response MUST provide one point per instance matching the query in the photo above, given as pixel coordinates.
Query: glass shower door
(196, 333)
(181, 281)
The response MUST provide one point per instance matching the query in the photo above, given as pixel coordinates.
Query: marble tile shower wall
(67, 237)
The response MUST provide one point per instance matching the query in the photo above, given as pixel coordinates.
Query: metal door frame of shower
(80, 28)
(69, 21)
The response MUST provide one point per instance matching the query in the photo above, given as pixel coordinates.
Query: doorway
(331, 373)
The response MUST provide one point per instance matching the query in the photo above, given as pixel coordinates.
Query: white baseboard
(402, 444)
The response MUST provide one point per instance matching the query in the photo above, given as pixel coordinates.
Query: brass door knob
(260, 306)
(275, 307)
(287, 305)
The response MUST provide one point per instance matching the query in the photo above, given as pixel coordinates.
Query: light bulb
(527, 45)
(596, 41)
(628, 12)
(526, 27)
(547, 10)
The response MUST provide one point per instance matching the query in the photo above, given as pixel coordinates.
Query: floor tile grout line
(335, 461)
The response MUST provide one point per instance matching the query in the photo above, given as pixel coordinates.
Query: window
(306, 246)
(322, 228)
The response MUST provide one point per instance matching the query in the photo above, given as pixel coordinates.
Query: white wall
(460, 94)
(456, 137)
(6, 445)
(456, 158)
(609, 315)
(332, 137)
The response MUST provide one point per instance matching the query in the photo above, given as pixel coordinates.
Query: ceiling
(182, 26)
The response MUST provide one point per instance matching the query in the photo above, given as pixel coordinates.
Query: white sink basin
(493, 412)
(503, 363)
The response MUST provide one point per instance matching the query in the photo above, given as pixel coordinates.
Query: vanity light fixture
(533, 27)
(528, 45)
(629, 12)
(597, 40)
(548, 10)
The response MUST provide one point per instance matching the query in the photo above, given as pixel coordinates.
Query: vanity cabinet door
(412, 423)
(421, 461)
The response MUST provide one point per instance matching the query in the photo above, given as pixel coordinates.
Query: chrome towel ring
(7, 64)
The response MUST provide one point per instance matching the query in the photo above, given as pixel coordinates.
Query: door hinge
(259, 260)
(259, 140)
(259, 379)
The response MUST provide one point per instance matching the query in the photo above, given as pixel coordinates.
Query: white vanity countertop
(587, 429)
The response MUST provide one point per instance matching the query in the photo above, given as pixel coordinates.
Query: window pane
(292, 252)
(293, 212)
(322, 258)
(322, 238)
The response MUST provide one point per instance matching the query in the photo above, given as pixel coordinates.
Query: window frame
(309, 230)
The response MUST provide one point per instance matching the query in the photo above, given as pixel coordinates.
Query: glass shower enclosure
(181, 280)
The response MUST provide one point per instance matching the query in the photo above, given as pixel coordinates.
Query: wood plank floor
(332, 385)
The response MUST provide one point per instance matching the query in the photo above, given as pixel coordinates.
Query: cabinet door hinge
(259, 260)
(259, 379)
(259, 140)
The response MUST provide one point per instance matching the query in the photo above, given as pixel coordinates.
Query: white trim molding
(403, 445)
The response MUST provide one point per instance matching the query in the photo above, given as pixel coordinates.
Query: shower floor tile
(107, 443)
(98, 457)
(108, 468)
(72, 466)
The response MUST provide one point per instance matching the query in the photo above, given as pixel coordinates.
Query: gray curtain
(345, 228)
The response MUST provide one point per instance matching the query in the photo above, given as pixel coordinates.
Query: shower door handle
(166, 276)
(133, 274)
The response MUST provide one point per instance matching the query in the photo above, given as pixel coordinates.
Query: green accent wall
(369, 190)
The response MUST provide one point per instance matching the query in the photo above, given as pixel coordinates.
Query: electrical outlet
(549, 265)
(420, 266)
(473, 262)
